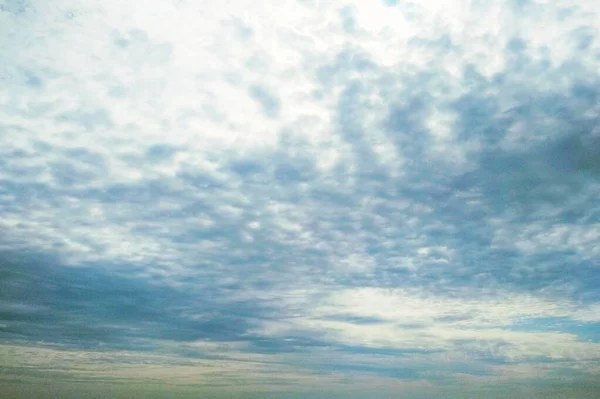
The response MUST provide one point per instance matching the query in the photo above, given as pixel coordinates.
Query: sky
(299, 199)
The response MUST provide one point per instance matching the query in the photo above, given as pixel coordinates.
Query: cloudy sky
(299, 198)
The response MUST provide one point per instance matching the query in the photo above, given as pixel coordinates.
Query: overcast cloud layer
(304, 198)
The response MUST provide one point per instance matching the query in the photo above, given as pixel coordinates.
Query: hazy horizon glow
(298, 199)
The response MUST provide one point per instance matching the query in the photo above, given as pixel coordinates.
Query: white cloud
(257, 139)
(413, 320)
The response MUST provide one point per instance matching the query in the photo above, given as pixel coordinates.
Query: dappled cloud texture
(297, 199)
